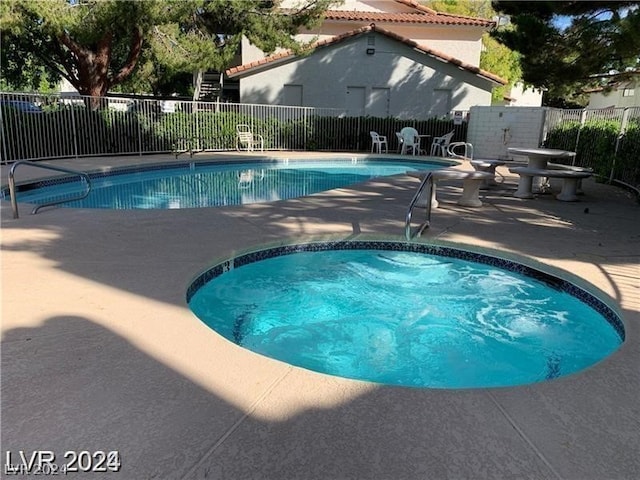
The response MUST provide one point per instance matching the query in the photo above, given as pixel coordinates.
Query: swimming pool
(406, 314)
(213, 184)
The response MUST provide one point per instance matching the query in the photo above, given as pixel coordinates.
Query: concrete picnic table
(539, 158)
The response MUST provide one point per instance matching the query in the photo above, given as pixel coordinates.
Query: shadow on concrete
(70, 384)
(152, 252)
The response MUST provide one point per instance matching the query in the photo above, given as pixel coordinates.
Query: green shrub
(594, 143)
(597, 145)
(563, 136)
(627, 163)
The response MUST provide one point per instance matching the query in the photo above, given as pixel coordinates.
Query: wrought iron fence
(56, 126)
(34, 126)
(607, 140)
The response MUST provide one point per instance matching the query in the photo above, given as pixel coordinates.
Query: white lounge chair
(440, 145)
(247, 140)
(378, 141)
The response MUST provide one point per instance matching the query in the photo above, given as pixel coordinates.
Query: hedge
(595, 145)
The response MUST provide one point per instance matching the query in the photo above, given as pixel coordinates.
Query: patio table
(403, 146)
(539, 158)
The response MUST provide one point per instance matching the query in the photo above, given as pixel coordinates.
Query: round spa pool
(406, 314)
(214, 183)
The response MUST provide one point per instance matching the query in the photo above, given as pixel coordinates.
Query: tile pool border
(445, 251)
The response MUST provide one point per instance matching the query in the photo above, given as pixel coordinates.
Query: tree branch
(170, 43)
(135, 49)
(77, 49)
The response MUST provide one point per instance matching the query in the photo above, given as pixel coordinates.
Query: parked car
(23, 106)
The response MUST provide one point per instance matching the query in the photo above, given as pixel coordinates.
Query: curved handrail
(468, 150)
(428, 180)
(12, 185)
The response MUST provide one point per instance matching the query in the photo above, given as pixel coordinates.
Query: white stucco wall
(615, 99)
(359, 5)
(522, 96)
(494, 129)
(250, 53)
(600, 100)
(461, 42)
(393, 75)
(373, 6)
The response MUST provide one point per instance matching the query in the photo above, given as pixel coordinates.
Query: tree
(208, 36)
(501, 60)
(469, 8)
(93, 44)
(564, 45)
(495, 57)
(97, 44)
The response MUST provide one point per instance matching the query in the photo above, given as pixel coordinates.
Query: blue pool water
(193, 185)
(424, 317)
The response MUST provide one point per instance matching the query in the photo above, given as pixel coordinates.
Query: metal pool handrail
(12, 185)
(428, 180)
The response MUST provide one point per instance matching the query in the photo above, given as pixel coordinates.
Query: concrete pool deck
(101, 353)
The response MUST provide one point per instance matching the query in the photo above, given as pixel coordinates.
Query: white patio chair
(410, 141)
(378, 141)
(247, 140)
(247, 177)
(440, 145)
(399, 137)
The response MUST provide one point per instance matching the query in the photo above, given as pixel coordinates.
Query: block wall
(494, 129)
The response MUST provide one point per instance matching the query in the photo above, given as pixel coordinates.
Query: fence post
(623, 128)
(583, 119)
(197, 124)
(74, 131)
(304, 146)
(4, 140)
(139, 133)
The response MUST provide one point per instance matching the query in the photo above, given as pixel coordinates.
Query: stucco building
(617, 94)
(376, 57)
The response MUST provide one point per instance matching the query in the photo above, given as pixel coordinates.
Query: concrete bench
(559, 166)
(570, 180)
(471, 182)
(487, 165)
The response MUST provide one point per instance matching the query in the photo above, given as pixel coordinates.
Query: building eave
(272, 60)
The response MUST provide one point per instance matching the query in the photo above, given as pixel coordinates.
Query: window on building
(628, 92)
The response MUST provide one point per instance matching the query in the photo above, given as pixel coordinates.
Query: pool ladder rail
(12, 185)
(421, 199)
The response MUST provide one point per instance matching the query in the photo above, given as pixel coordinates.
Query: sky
(562, 21)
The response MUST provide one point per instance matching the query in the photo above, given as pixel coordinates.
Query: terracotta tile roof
(420, 18)
(272, 59)
(420, 14)
(413, 17)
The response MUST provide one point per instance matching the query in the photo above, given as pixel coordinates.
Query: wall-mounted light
(371, 51)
